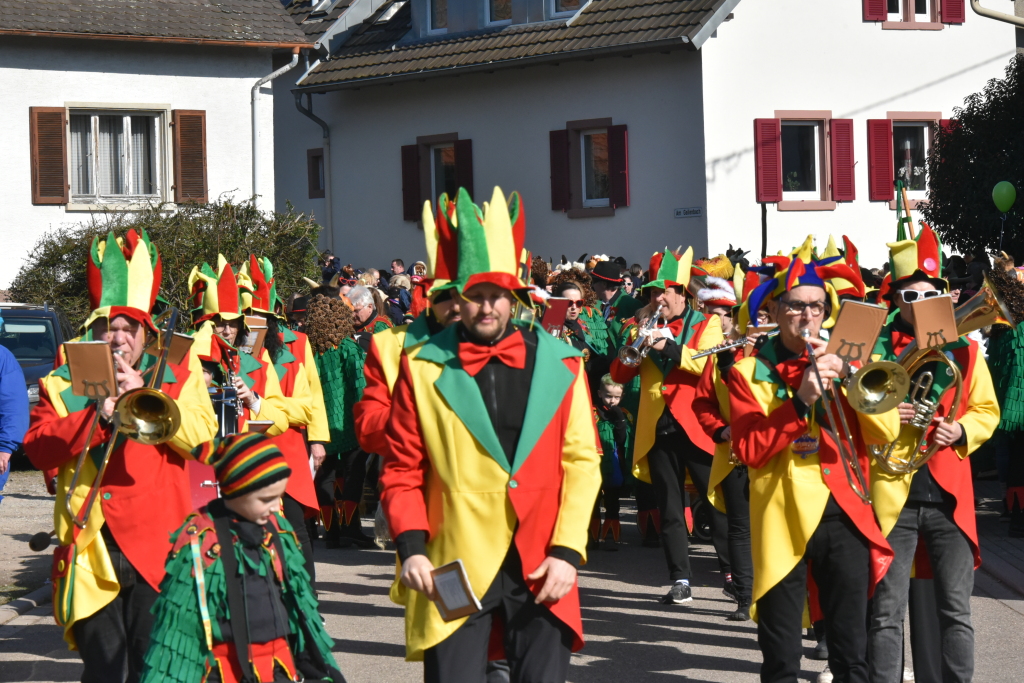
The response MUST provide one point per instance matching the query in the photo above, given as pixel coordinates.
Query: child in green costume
(248, 615)
(615, 431)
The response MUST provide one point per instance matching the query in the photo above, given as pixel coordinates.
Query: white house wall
(508, 114)
(39, 72)
(814, 55)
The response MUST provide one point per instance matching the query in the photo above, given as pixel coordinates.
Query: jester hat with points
(843, 269)
(440, 235)
(802, 270)
(913, 260)
(490, 240)
(668, 269)
(123, 278)
(214, 293)
(257, 286)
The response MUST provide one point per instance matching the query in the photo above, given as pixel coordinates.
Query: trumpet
(981, 310)
(844, 441)
(728, 346)
(632, 355)
(145, 415)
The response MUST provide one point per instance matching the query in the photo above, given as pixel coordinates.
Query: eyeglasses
(578, 303)
(798, 307)
(912, 295)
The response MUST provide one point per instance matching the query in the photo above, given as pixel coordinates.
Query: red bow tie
(511, 351)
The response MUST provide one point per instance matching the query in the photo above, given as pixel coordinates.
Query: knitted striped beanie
(243, 462)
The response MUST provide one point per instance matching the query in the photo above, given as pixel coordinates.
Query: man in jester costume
(803, 509)
(934, 503)
(303, 399)
(219, 329)
(669, 440)
(728, 486)
(617, 307)
(108, 567)
(236, 603)
(386, 347)
(491, 460)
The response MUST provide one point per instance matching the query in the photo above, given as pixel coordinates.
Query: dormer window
(565, 7)
(499, 11)
(438, 15)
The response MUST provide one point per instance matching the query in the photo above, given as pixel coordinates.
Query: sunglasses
(578, 303)
(912, 295)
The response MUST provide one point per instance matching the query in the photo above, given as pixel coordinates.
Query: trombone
(844, 441)
(632, 355)
(981, 310)
(145, 415)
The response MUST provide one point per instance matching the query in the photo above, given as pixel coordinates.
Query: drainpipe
(307, 111)
(256, 119)
(998, 16)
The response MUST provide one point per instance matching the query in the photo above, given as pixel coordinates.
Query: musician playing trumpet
(669, 440)
(935, 502)
(107, 572)
(803, 508)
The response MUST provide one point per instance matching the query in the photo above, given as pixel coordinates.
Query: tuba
(145, 415)
(981, 310)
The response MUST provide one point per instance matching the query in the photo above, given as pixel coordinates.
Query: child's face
(610, 396)
(258, 505)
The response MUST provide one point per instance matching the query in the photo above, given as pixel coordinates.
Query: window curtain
(81, 155)
(111, 155)
(143, 155)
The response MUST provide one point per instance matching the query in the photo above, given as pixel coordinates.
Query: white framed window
(437, 11)
(911, 142)
(801, 160)
(911, 11)
(594, 164)
(565, 8)
(499, 11)
(117, 157)
(442, 170)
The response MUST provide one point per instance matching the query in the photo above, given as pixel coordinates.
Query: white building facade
(98, 126)
(841, 101)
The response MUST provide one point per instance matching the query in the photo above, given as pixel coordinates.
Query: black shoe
(651, 540)
(820, 650)
(742, 612)
(678, 594)
(729, 590)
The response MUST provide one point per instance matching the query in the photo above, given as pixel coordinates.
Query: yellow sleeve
(982, 416)
(198, 421)
(880, 429)
(272, 402)
(581, 467)
(317, 429)
(712, 336)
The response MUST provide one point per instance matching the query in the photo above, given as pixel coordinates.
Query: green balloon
(1004, 195)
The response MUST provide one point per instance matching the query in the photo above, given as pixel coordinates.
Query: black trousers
(669, 459)
(840, 563)
(925, 634)
(736, 491)
(537, 644)
(296, 516)
(113, 641)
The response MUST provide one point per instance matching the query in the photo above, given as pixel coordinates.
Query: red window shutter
(559, 140)
(953, 11)
(618, 166)
(841, 149)
(875, 10)
(412, 208)
(464, 165)
(880, 172)
(768, 160)
(49, 149)
(189, 156)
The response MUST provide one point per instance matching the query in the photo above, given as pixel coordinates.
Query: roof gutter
(256, 119)
(307, 111)
(157, 39)
(520, 62)
(998, 16)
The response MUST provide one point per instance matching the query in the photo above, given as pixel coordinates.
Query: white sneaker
(825, 676)
(908, 675)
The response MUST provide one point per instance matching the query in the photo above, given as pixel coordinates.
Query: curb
(15, 608)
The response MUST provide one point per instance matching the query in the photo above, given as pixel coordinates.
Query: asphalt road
(630, 636)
